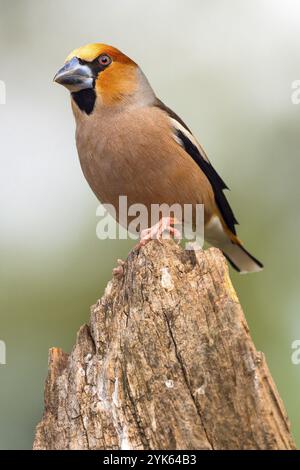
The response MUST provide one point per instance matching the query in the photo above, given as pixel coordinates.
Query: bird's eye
(104, 59)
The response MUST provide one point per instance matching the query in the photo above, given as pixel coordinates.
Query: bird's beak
(74, 76)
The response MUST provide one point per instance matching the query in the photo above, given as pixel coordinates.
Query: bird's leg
(119, 270)
(166, 224)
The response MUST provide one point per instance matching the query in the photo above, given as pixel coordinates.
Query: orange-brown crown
(90, 52)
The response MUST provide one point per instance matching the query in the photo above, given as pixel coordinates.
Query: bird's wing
(185, 138)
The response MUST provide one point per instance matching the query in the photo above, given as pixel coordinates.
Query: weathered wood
(167, 362)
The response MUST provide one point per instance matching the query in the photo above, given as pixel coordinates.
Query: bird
(130, 143)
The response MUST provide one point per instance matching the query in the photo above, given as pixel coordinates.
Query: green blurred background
(227, 68)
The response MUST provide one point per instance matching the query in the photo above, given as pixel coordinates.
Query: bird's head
(98, 72)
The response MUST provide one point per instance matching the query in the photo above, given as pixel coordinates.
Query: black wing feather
(215, 180)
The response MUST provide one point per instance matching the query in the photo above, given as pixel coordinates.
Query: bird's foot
(118, 272)
(162, 230)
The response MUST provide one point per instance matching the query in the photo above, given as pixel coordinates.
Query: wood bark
(166, 362)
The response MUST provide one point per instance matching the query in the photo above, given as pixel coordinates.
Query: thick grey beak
(74, 76)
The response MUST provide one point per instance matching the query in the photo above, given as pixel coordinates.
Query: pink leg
(119, 270)
(166, 224)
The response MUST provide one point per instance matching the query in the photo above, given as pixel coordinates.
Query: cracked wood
(166, 362)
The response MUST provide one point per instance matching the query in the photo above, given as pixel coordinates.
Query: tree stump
(166, 362)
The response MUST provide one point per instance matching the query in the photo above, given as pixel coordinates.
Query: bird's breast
(119, 155)
(135, 155)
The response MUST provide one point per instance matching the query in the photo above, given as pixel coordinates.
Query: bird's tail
(217, 234)
(240, 258)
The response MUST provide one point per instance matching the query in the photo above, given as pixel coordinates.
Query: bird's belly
(112, 177)
(145, 170)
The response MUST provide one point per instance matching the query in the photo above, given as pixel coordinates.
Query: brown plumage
(130, 144)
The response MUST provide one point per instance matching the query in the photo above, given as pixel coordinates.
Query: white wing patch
(181, 128)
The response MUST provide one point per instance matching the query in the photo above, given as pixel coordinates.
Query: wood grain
(167, 362)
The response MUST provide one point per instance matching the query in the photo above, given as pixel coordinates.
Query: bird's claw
(160, 231)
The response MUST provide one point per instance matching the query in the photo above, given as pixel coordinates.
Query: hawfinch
(130, 143)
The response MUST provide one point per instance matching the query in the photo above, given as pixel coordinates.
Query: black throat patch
(85, 99)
